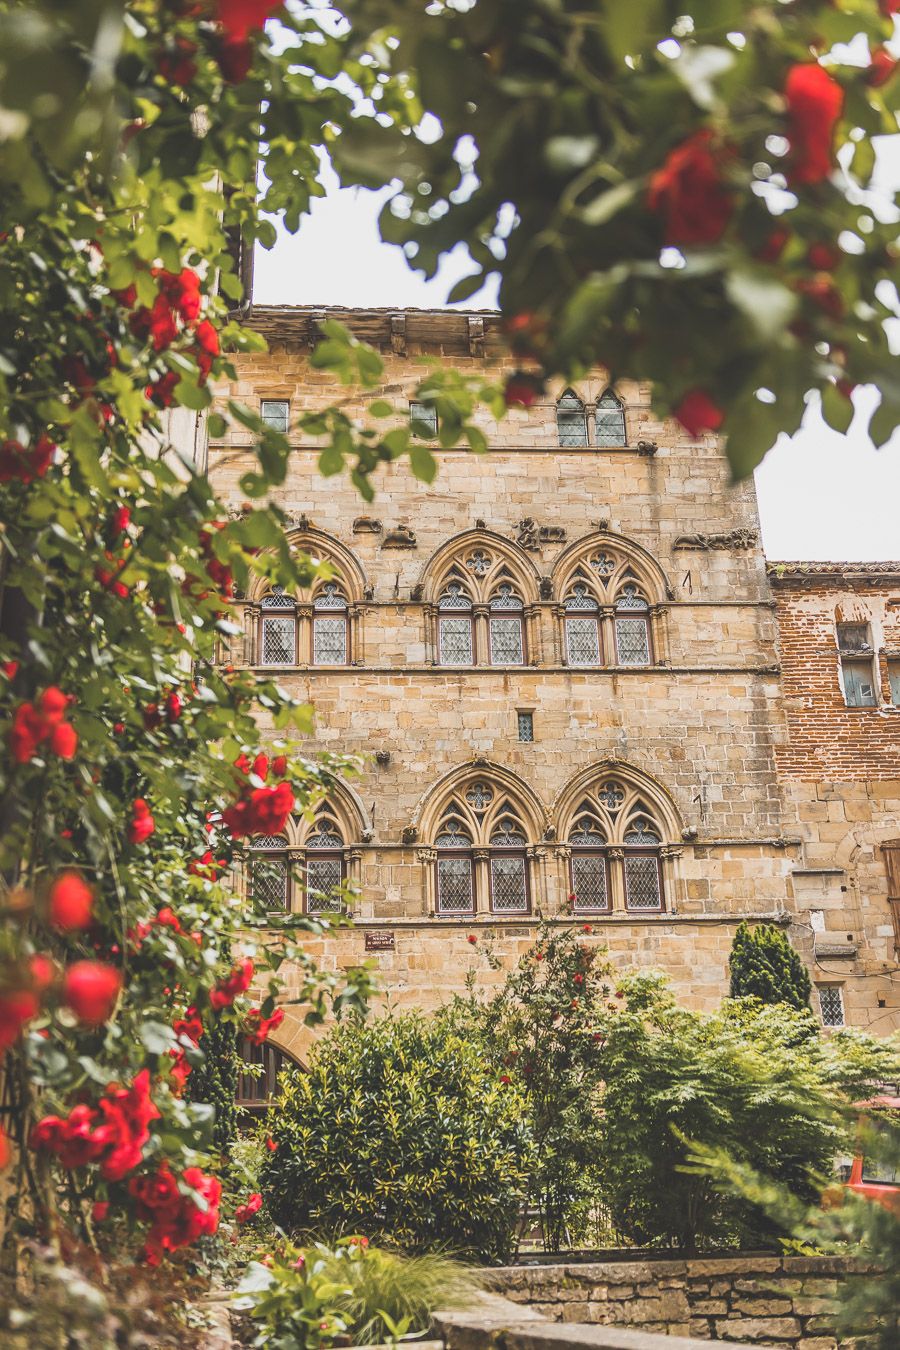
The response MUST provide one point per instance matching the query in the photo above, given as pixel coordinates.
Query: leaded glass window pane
(275, 412)
(454, 886)
(589, 881)
(831, 1005)
(455, 597)
(269, 882)
(526, 726)
(329, 641)
(276, 599)
(641, 832)
(455, 642)
(642, 889)
(508, 835)
(632, 642)
(507, 648)
(323, 875)
(610, 421)
(582, 642)
(453, 835)
(325, 835)
(425, 417)
(330, 597)
(630, 598)
(509, 892)
(571, 422)
(505, 598)
(278, 641)
(580, 600)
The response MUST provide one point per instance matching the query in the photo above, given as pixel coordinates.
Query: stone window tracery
(615, 848)
(482, 857)
(303, 875)
(611, 609)
(316, 625)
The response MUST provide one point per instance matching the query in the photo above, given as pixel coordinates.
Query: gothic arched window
(330, 626)
(615, 843)
(455, 868)
(632, 627)
(456, 643)
(641, 861)
(588, 862)
(509, 868)
(507, 638)
(270, 873)
(571, 422)
(324, 866)
(610, 420)
(582, 627)
(278, 629)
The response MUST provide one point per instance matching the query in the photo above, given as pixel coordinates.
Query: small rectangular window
(526, 726)
(894, 677)
(831, 1005)
(424, 420)
(854, 637)
(859, 684)
(276, 413)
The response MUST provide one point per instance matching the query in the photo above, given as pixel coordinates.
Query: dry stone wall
(763, 1301)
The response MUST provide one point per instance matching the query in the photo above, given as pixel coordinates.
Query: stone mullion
(559, 635)
(616, 879)
(563, 876)
(481, 644)
(669, 853)
(295, 879)
(427, 857)
(607, 621)
(354, 636)
(659, 635)
(432, 647)
(482, 898)
(531, 629)
(304, 635)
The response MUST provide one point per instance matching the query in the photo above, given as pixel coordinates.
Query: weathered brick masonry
(682, 747)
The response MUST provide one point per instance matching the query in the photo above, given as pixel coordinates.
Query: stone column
(428, 859)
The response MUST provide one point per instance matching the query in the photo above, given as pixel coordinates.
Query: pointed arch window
(455, 867)
(508, 868)
(610, 420)
(324, 867)
(270, 874)
(632, 627)
(456, 638)
(330, 644)
(505, 628)
(588, 864)
(641, 864)
(278, 629)
(582, 623)
(571, 421)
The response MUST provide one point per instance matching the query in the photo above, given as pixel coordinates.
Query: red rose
(261, 811)
(252, 1206)
(578, 979)
(190, 1026)
(234, 59)
(33, 724)
(238, 982)
(64, 740)
(279, 766)
(773, 248)
(522, 390)
(177, 65)
(142, 822)
(505, 1078)
(270, 1144)
(207, 338)
(586, 928)
(119, 521)
(261, 766)
(90, 989)
(126, 296)
(99, 1210)
(25, 734)
(814, 104)
(71, 902)
(258, 1027)
(823, 257)
(173, 707)
(119, 728)
(17, 1006)
(181, 291)
(167, 918)
(689, 192)
(697, 413)
(162, 391)
(42, 971)
(881, 70)
(25, 464)
(240, 17)
(472, 938)
(10, 669)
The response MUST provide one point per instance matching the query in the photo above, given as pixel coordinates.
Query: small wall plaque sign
(379, 940)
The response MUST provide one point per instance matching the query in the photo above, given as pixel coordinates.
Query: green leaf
(423, 463)
(157, 1038)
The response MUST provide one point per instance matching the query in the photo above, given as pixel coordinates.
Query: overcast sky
(821, 495)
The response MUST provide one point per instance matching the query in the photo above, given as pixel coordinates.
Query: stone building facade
(561, 663)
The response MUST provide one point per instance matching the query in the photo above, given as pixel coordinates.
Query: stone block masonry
(746, 1300)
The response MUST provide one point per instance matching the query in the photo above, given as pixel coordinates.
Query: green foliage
(756, 1081)
(764, 965)
(543, 1029)
(400, 1130)
(366, 1294)
(214, 1081)
(866, 1306)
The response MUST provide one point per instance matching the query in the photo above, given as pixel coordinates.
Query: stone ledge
(488, 1330)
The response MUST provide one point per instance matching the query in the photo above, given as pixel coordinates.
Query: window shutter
(891, 851)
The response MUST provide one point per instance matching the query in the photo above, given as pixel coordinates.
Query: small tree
(764, 964)
(400, 1130)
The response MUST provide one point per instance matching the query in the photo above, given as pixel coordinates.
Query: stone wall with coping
(748, 1300)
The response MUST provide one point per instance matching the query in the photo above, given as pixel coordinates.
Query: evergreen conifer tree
(763, 963)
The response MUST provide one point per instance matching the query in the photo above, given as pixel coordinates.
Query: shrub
(353, 1292)
(758, 1082)
(214, 1081)
(764, 964)
(400, 1130)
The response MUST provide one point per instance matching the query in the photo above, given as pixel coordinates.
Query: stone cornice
(846, 573)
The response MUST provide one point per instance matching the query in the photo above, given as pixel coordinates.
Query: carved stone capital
(426, 855)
